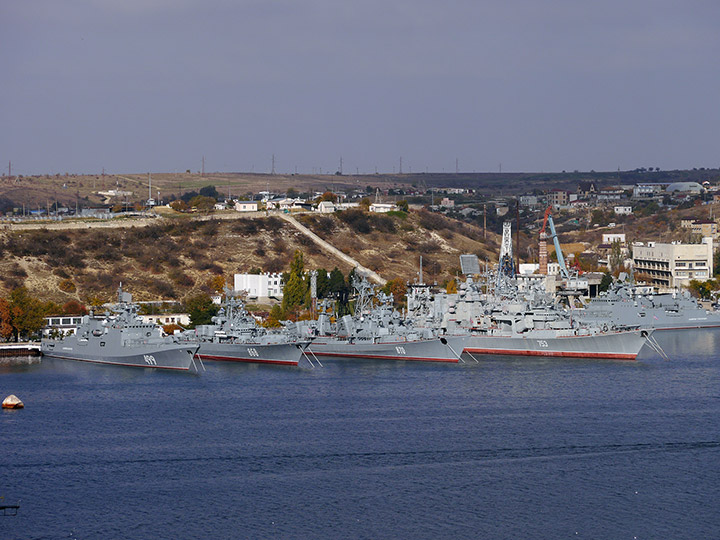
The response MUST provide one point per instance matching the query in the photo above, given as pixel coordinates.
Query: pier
(20, 349)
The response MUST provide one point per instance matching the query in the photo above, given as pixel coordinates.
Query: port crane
(556, 242)
(573, 284)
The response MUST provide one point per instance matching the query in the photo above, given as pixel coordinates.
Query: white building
(641, 191)
(609, 238)
(285, 203)
(182, 319)
(669, 266)
(527, 269)
(246, 206)
(63, 324)
(347, 205)
(326, 207)
(528, 200)
(623, 210)
(259, 285)
(447, 202)
(381, 208)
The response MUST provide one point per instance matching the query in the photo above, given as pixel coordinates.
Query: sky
(133, 86)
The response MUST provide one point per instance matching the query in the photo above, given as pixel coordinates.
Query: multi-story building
(609, 238)
(558, 197)
(648, 190)
(703, 227)
(260, 285)
(670, 266)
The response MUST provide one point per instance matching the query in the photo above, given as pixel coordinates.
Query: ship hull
(165, 356)
(287, 354)
(613, 346)
(430, 350)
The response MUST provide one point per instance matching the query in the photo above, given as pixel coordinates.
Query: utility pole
(517, 237)
(484, 221)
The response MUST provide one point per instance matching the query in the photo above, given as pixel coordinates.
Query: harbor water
(503, 448)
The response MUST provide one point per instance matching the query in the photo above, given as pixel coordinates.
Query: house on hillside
(382, 208)
(326, 207)
(558, 197)
(648, 190)
(703, 227)
(586, 190)
(246, 206)
(622, 210)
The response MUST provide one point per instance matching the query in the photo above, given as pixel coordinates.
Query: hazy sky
(534, 85)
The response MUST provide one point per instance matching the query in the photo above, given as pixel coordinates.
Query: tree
(336, 285)
(202, 203)
(397, 288)
(201, 309)
(452, 287)
(616, 259)
(217, 283)
(296, 285)
(403, 205)
(26, 313)
(209, 191)
(323, 283)
(274, 318)
(179, 205)
(73, 307)
(328, 196)
(365, 203)
(605, 282)
(6, 328)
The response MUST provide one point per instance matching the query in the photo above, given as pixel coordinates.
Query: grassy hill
(180, 257)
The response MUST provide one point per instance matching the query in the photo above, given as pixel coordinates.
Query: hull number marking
(150, 359)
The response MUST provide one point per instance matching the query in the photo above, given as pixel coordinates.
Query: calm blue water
(508, 448)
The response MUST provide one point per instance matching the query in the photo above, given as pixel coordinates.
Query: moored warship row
(488, 315)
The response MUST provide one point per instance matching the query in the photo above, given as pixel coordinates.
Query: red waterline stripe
(246, 360)
(513, 352)
(380, 357)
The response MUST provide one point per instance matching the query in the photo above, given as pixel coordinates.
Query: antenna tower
(506, 268)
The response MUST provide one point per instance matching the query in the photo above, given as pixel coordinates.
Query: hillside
(179, 257)
(43, 191)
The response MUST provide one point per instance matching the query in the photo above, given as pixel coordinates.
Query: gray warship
(122, 338)
(234, 336)
(377, 332)
(488, 323)
(634, 306)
